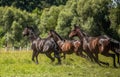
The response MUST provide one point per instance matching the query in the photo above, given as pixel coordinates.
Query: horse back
(38, 44)
(50, 45)
(67, 46)
(44, 45)
(93, 42)
(103, 44)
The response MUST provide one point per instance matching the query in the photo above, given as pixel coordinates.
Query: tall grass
(19, 64)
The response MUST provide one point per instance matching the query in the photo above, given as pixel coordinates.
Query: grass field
(19, 64)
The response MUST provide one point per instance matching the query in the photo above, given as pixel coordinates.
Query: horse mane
(31, 28)
(58, 36)
(85, 34)
(33, 31)
(82, 31)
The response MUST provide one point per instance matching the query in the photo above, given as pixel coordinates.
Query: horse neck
(83, 38)
(57, 37)
(33, 37)
(80, 35)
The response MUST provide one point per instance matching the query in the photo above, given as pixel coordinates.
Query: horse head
(27, 31)
(50, 33)
(76, 32)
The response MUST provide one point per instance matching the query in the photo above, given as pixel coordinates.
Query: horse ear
(75, 26)
(51, 30)
(27, 26)
(85, 34)
(32, 29)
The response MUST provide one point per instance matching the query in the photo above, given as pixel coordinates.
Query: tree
(13, 21)
(49, 19)
(115, 23)
(30, 5)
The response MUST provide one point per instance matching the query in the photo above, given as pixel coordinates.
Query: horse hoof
(58, 63)
(100, 65)
(119, 63)
(107, 64)
(37, 63)
(115, 66)
(53, 60)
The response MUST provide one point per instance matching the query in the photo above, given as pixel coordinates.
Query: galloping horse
(67, 46)
(46, 46)
(101, 44)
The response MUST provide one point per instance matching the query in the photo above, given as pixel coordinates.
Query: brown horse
(46, 45)
(67, 46)
(101, 44)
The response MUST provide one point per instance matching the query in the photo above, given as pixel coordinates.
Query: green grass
(19, 64)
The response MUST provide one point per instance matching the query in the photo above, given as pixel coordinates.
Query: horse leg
(118, 58)
(118, 61)
(115, 51)
(111, 55)
(64, 55)
(90, 55)
(57, 55)
(79, 53)
(33, 55)
(48, 54)
(118, 55)
(36, 55)
(59, 59)
(97, 57)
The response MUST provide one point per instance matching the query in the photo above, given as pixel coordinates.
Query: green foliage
(13, 21)
(65, 19)
(92, 15)
(64, 22)
(115, 22)
(95, 17)
(49, 18)
(30, 5)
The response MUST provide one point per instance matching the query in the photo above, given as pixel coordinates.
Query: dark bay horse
(67, 46)
(101, 44)
(46, 45)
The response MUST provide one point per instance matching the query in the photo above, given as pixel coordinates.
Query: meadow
(19, 64)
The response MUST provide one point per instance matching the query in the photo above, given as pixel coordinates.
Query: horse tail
(115, 45)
